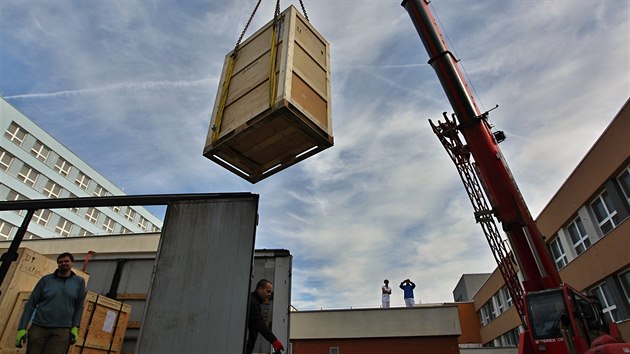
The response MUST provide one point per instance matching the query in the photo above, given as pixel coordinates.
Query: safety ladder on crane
(448, 134)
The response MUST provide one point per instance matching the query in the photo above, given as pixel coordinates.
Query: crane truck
(556, 317)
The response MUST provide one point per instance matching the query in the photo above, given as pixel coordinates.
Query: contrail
(149, 85)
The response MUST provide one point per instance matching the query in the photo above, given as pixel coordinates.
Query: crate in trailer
(7, 340)
(22, 276)
(103, 325)
(263, 123)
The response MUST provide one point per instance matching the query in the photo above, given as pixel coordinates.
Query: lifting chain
(275, 18)
(304, 11)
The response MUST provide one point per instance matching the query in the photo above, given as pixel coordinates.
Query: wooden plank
(309, 101)
(7, 341)
(131, 296)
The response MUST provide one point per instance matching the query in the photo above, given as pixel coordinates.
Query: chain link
(240, 38)
(304, 11)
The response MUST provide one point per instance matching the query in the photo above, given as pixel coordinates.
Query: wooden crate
(103, 325)
(22, 277)
(257, 136)
(7, 341)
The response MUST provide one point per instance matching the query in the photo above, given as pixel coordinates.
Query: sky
(129, 87)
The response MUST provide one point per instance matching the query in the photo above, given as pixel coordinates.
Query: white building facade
(33, 165)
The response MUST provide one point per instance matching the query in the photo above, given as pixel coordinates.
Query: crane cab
(562, 320)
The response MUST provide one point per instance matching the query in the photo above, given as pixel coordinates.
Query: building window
(624, 182)
(40, 151)
(73, 209)
(130, 214)
(84, 232)
(124, 230)
(109, 224)
(63, 167)
(487, 313)
(333, 350)
(28, 175)
(624, 278)
(5, 160)
(52, 189)
(605, 212)
(42, 216)
(155, 228)
(609, 308)
(142, 223)
(116, 209)
(6, 230)
(63, 227)
(82, 181)
(499, 302)
(99, 191)
(557, 252)
(15, 134)
(578, 236)
(507, 296)
(92, 215)
(13, 195)
(509, 339)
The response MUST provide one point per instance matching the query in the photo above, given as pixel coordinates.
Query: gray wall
(198, 297)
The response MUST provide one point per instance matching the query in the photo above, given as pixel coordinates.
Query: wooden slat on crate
(131, 296)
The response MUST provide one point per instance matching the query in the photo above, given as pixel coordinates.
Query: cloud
(130, 87)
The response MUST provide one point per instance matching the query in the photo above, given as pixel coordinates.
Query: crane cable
(272, 67)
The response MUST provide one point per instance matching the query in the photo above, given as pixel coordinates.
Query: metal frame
(33, 205)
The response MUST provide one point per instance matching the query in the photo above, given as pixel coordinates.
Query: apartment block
(34, 165)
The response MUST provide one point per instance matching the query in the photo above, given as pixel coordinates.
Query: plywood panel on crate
(257, 138)
(306, 67)
(22, 276)
(309, 100)
(7, 340)
(313, 43)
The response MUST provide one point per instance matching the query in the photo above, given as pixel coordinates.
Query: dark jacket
(59, 302)
(256, 323)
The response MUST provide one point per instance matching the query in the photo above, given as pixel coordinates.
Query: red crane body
(556, 317)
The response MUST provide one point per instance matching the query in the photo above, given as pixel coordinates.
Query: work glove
(277, 346)
(74, 334)
(20, 338)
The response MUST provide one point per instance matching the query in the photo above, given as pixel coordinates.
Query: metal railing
(32, 205)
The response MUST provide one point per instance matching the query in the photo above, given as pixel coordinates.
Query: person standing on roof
(256, 323)
(57, 301)
(386, 291)
(408, 286)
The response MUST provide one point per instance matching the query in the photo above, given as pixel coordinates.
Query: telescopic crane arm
(508, 205)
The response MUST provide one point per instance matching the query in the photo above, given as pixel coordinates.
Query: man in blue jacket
(408, 286)
(57, 301)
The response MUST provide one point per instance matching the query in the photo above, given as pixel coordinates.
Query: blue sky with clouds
(129, 86)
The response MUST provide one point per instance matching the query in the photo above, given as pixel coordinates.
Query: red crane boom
(556, 317)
